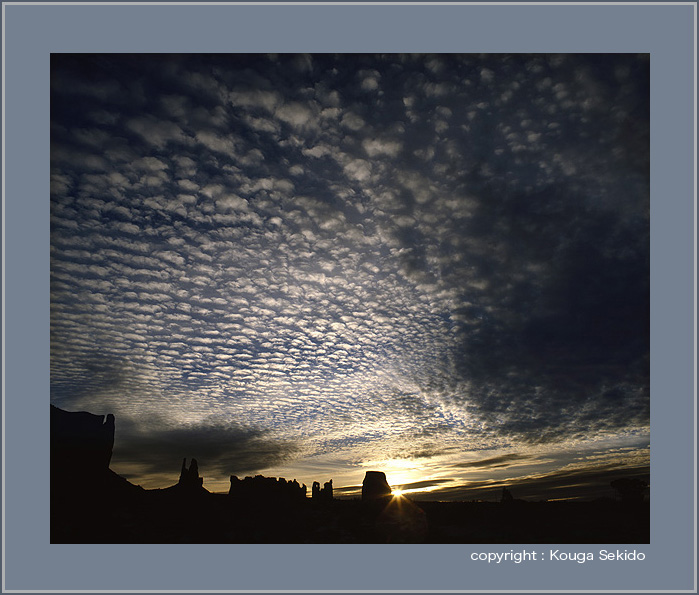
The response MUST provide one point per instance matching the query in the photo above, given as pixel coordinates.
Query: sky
(311, 266)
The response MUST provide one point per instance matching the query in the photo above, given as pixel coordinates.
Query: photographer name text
(557, 555)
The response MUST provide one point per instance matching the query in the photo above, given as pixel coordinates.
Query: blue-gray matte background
(33, 32)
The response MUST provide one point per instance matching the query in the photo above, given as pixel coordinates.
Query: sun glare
(397, 493)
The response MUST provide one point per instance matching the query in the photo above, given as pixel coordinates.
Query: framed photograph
(396, 288)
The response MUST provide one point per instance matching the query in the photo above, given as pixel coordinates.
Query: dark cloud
(579, 483)
(558, 324)
(500, 461)
(221, 450)
(560, 342)
(421, 485)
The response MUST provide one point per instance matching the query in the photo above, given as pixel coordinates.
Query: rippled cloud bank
(297, 261)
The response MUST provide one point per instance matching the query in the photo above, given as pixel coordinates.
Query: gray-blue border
(32, 31)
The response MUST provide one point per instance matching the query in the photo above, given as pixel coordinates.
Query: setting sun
(397, 493)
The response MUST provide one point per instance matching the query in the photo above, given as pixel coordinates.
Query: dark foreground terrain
(90, 503)
(160, 516)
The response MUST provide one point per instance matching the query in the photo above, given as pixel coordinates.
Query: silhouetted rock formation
(189, 482)
(268, 489)
(327, 492)
(324, 494)
(83, 487)
(81, 445)
(189, 478)
(393, 519)
(81, 450)
(375, 486)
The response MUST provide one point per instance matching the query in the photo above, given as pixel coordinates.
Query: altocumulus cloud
(372, 251)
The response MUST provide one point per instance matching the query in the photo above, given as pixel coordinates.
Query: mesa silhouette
(90, 503)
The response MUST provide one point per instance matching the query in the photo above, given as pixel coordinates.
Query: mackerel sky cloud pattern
(274, 262)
